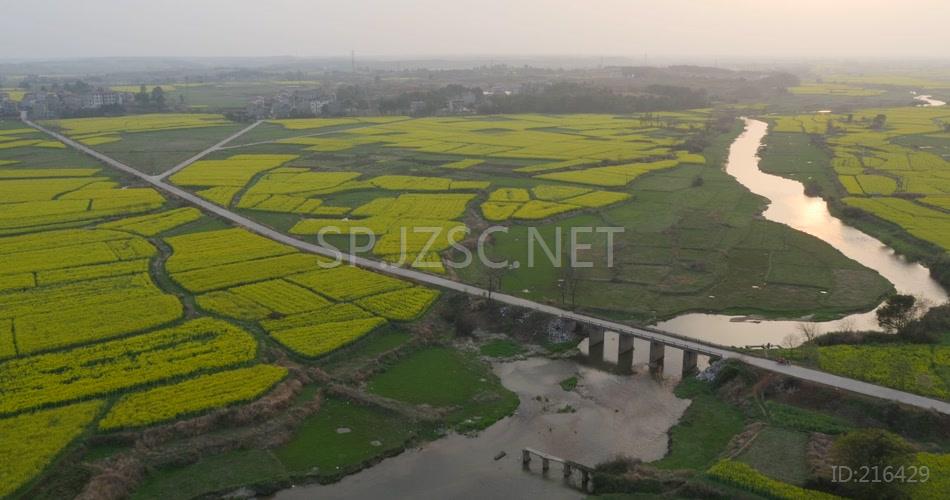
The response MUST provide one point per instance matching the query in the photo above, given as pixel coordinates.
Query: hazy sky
(776, 28)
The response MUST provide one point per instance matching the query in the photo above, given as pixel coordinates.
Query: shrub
(875, 448)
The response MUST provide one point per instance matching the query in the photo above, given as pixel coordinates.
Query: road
(666, 338)
(181, 166)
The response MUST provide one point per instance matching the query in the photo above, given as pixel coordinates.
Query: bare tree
(790, 341)
(809, 331)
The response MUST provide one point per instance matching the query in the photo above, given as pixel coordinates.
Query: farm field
(764, 445)
(120, 310)
(690, 246)
(341, 179)
(834, 89)
(309, 310)
(889, 163)
(220, 315)
(151, 143)
(315, 446)
(918, 368)
(416, 167)
(679, 250)
(345, 435)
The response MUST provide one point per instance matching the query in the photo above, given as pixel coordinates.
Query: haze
(379, 28)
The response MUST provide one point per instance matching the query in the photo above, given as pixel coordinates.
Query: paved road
(333, 130)
(649, 334)
(212, 149)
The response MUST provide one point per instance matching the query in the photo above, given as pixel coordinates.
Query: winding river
(616, 414)
(789, 205)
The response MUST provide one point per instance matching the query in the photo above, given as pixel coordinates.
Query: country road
(181, 166)
(666, 338)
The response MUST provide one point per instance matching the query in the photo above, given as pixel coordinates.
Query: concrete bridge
(569, 467)
(656, 352)
(659, 340)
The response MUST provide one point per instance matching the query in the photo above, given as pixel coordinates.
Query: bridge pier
(595, 346)
(625, 354)
(657, 353)
(625, 344)
(595, 337)
(690, 359)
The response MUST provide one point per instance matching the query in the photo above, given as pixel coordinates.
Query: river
(789, 205)
(615, 414)
(929, 100)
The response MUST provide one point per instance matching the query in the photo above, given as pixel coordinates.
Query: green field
(779, 454)
(885, 163)
(156, 152)
(113, 299)
(319, 446)
(703, 431)
(691, 240)
(223, 472)
(445, 378)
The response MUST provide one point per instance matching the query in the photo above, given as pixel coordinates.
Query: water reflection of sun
(813, 213)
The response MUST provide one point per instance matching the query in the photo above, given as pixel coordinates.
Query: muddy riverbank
(604, 416)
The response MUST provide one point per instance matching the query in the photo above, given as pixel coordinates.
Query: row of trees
(154, 100)
(566, 97)
(562, 97)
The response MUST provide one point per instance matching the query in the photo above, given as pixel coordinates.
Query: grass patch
(366, 349)
(569, 383)
(501, 348)
(212, 474)
(443, 377)
(791, 417)
(98, 452)
(559, 347)
(155, 152)
(319, 448)
(703, 431)
(779, 454)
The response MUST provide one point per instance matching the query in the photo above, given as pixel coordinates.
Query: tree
(142, 97)
(158, 97)
(874, 450)
(790, 341)
(879, 121)
(809, 331)
(929, 328)
(897, 312)
(495, 275)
